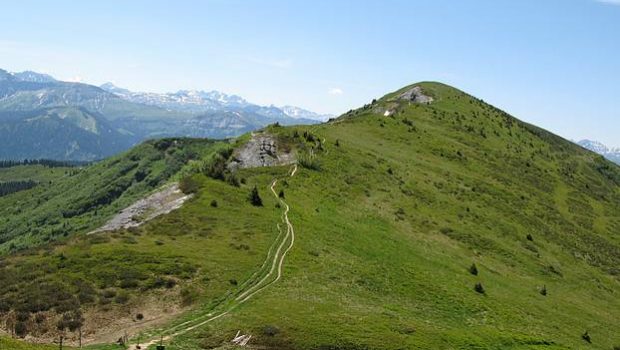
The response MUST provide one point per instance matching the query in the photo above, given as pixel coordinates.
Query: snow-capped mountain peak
(34, 77)
(297, 113)
(612, 154)
(199, 101)
(27, 76)
(595, 146)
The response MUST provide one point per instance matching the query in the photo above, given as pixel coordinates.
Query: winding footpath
(251, 288)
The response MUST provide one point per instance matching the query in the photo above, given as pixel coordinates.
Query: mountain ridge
(207, 101)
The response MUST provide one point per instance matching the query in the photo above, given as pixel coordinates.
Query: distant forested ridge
(49, 163)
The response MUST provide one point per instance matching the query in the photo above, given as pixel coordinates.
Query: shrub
(473, 270)
(255, 198)
(309, 163)
(479, 288)
(189, 295)
(585, 336)
(529, 237)
(109, 293)
(281, 194)
(139, 317)
(20, 329)
(170, 283)
(232, 179)
(188, 185)
(72, 321)
(446, 230)
(270, 331)
(128, 283)
(121, 298)
(213, 204)
(543, 291)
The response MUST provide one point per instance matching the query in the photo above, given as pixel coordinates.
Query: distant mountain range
(612, 154)
(194, 101)
(41, 117)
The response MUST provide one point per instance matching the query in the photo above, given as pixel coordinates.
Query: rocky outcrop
(416, 95)
(262, 150)
(159, 203)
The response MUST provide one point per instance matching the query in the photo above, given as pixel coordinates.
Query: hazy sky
(554, 63)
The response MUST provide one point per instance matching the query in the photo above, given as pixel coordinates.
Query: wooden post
(80, 337)
(60, 343)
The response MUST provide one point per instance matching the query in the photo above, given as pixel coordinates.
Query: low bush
(309, 163)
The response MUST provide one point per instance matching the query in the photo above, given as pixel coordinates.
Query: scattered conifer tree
(473, 269)
(255, 198)
(543, 291)
(585, 336)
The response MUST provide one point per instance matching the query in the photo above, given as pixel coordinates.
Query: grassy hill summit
(427, 219)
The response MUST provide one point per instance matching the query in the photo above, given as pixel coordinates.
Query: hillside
(426, 219)
(82, 199)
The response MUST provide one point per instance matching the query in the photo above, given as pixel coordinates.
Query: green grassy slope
(389, 215)
(390, 225)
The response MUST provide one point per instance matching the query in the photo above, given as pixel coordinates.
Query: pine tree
(255, 198)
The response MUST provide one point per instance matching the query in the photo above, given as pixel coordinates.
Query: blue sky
(554, 63)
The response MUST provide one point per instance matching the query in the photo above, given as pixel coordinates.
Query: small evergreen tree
(585, 336)
(479, 288)
(529, 237)
(473, 270)
(281, 194)
(255, 198)
(543, 291)
(214, 203)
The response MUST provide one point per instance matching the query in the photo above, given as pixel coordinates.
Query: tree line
(9, 187)
(49, 163)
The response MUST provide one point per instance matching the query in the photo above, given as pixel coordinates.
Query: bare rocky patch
(261, 150)
(159, 203)
(416, 95)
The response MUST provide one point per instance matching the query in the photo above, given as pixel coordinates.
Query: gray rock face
(159, 203)
(262, 150)
(415, 95)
